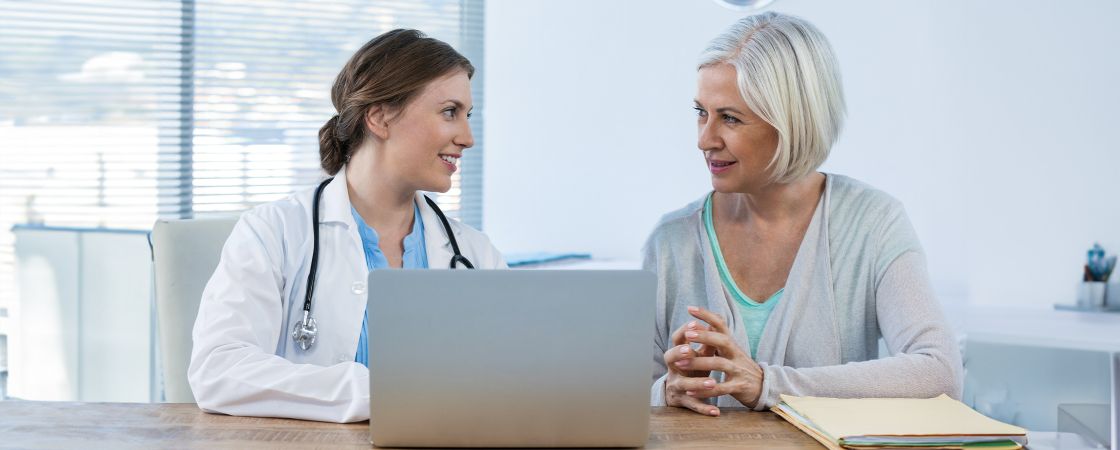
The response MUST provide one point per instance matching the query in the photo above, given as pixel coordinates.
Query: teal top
(754, 314)
(415, 257)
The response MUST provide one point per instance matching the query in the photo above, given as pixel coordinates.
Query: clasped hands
(689, 379)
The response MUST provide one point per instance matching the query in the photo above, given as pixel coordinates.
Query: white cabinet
(1022, 364)
(82, 328)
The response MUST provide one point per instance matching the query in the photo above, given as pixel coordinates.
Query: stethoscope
(306, 330)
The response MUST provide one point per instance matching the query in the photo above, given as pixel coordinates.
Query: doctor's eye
(700, 111)
(451, 112)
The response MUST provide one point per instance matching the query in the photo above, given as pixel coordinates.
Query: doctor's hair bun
(331, 154)
(389, 70)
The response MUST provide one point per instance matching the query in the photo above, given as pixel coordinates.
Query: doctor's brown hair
(389, 70)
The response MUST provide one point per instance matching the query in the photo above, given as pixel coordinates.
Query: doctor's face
(427, 138)
(737, 144)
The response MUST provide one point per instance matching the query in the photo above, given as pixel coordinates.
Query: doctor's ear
(377, 121)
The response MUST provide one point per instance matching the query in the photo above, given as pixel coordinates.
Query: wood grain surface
(26, 424)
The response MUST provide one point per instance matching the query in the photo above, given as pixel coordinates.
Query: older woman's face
(737, 144)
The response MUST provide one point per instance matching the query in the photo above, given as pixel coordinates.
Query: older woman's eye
(731, 119)
(700, 111)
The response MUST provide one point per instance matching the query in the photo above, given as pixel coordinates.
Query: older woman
(783, 279)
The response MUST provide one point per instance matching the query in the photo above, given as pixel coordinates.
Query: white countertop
(1041, 327)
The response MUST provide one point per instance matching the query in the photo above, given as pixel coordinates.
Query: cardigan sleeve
(925, 361)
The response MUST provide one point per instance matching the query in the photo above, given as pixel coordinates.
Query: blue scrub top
(415, 257)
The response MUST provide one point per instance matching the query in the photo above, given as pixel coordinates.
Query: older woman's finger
(678, 335)
(722, 343)
(692, 384)
(678, 353)
(695, 404)
(719, 390)
(710, 363)
(715, 320)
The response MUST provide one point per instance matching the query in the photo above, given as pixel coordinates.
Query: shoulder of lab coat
(473, 244)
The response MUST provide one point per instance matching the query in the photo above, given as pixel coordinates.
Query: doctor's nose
(465, 139)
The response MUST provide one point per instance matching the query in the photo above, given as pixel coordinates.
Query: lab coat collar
(335, 204)
(335, 207)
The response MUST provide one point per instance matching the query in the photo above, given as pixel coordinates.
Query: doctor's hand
(680, 375)
(742, 375)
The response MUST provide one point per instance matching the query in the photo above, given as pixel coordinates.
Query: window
(114, 113)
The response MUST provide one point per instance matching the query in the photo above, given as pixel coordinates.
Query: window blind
(114, 113)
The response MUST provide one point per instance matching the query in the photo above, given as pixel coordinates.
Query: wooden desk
(176, 425)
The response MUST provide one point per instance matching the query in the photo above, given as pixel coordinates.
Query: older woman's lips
(718, 167)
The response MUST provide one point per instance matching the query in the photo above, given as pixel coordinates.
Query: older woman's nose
(708, 139)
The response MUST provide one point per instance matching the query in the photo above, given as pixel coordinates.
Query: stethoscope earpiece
(305, 331)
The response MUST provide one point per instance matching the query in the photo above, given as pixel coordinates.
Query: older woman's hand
(742, 375)
(679, 376)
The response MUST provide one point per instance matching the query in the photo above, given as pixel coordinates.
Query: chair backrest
(185, 253)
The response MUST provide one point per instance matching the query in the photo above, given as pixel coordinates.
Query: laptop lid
(505, 358)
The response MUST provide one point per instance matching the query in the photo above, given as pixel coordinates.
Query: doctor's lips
(450, 160)
(717, 166)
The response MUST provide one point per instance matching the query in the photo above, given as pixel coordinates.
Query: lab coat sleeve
(478, 247)
(494, 258)
(233, 369)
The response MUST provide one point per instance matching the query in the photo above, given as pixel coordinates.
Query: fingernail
(693, 309)
(681, 363)
(709, 383)
(684, 349)
(714, 412)
(692, 325)
(689, 393)
(691, 334)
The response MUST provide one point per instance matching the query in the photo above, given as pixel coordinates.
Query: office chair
(185, 253)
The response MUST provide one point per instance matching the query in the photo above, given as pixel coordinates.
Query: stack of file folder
(874, 423)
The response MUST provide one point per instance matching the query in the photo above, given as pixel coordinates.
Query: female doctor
(281, 328)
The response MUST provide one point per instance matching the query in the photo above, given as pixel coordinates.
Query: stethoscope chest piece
(305, 331)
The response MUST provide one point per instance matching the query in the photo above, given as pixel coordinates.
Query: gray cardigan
(859, 275)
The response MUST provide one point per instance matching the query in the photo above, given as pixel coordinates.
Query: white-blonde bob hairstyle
(789, 77)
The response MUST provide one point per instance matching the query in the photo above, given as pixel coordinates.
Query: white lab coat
(244, 361)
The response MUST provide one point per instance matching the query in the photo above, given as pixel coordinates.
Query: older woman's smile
(717, 167)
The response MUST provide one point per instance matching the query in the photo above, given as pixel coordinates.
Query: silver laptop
(510, 358)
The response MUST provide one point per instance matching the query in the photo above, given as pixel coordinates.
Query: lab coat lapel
(435, 237)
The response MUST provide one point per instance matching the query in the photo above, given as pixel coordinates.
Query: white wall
(992, 121)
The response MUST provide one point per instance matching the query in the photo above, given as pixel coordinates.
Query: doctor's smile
(450, 161)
